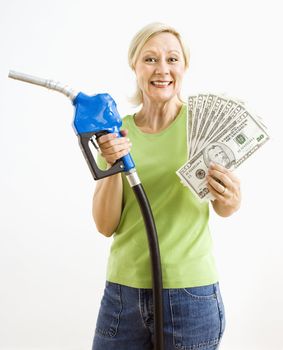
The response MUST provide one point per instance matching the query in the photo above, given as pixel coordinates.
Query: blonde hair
(138, 43)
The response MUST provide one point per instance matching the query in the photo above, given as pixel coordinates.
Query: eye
(150, 59)
(173, 59)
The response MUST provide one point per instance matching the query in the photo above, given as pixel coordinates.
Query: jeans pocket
(195, 317)
(110, 310)
(202, 292)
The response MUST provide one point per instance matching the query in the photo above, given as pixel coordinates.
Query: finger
(215, 184)
(116, 145)
(226, 171)
(218, 175)
(111, 136)
(118, 141)
(114, 152)
(215, 193)
(233, 178)
(221, 168)
(106, 138)
(112, 158)
(111, 140)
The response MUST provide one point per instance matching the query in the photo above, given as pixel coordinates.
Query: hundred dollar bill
(224, 110)
(216, 109)
(207, 106)
(230, 148)
(211, 100)
(226, 120)
(200, 101)
(190, 111)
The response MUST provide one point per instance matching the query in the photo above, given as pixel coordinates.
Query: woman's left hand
(225, 187)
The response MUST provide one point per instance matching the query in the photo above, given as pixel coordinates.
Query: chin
(164, 98)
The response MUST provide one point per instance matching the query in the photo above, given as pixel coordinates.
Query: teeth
(161, 83)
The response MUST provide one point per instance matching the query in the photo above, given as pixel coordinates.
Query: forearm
(107, 204)
(108, 195)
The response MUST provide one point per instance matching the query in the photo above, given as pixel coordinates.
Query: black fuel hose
(89, 118)
(155, 264)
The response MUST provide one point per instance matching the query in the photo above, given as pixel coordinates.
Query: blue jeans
(194, 318)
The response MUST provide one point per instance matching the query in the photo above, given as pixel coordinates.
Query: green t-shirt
(181, 220)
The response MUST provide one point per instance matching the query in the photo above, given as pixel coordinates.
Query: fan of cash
(220, 130)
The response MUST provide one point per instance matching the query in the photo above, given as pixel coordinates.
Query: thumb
(124, 132)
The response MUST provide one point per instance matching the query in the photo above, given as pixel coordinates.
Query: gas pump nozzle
(94, 116)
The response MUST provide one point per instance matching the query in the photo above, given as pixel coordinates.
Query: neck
(154, 117)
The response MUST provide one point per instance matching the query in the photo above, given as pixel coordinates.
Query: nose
(162, 67)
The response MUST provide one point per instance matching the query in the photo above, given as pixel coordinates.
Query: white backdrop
(52, 260)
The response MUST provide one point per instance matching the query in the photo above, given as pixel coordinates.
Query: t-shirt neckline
(164, 130)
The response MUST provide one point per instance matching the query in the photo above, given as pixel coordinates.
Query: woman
(193, 308)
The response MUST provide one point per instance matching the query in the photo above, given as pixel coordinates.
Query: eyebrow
(153, 51)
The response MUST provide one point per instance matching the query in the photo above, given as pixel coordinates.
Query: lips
(160, 83)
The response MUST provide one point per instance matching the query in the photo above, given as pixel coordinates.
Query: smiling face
(160, 68)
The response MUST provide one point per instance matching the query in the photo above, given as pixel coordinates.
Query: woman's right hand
(113, 147)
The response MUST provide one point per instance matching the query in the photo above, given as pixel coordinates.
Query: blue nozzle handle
(97, 115)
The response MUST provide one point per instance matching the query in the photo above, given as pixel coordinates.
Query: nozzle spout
(49, 84)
